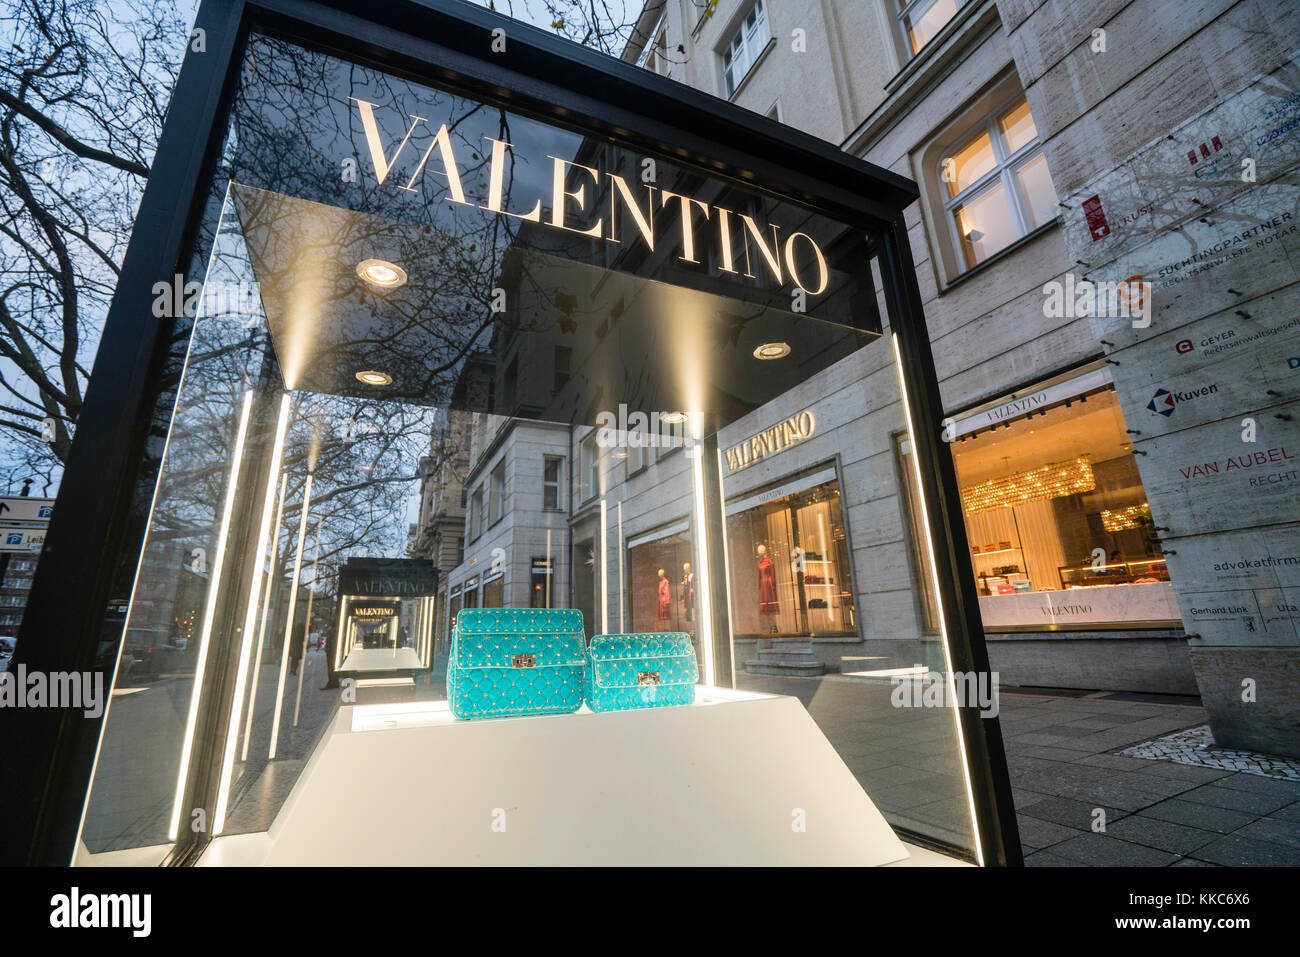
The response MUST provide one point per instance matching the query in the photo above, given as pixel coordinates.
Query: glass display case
(614, 362)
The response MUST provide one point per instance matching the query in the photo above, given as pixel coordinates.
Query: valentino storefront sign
(770, 441)
(777, 257)
(374, 611)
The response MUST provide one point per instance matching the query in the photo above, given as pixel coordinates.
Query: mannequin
(767, 600)
(688, 590)
(665, 596)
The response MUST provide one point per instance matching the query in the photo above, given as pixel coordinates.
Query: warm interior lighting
(371, 377)
(1050, 481)
(381, 273)
(772, 350)
(672, 418)
(1122, 519)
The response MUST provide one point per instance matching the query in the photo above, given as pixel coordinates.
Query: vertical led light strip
(550, 568)
(266, 613)
(430, 607)
(342, 629)
(943, 625)
(288, 625)
(702, 559)
(306, 628)
(250, 617)
(622, 586)
(209, 612)
(604, 569)
(726, 570)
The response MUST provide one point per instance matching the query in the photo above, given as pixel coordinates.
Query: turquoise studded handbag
(625, 672)
(506, 662)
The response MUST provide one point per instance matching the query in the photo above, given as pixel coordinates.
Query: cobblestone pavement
(1060, 751)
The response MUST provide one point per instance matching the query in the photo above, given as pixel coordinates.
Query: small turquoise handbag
(506, 662)
(625, 672)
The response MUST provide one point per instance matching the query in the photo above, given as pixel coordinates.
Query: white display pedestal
(735, 779)
(380, 659)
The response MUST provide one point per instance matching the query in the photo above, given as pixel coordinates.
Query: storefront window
(790, 571)
(661, 582)
(492, 592)
(1059, 528)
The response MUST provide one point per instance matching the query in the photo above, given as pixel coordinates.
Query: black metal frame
(49, 754)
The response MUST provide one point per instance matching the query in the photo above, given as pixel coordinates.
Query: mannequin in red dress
(768, 604)
(665, 597)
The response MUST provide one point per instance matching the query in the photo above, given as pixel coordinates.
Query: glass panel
(1056, 517)
(470, 314)
(1017, 127)
(1036, 187)
(985, 224)
(969, 163)
(926, 20)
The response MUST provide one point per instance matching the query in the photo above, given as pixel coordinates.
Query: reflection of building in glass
(1055, 555)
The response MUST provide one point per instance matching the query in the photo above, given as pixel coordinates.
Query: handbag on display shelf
(626, 672)
(507, 662)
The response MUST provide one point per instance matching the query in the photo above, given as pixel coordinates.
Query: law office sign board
(1211, 385)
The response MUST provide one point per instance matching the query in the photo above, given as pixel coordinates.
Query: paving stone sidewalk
(1061, 754)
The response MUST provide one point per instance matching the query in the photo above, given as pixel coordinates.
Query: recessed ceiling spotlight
(371, 377)
(672, 418)
(381, 273)
(772, 350)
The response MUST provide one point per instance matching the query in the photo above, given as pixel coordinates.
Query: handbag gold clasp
(523, 661)
(644, 678)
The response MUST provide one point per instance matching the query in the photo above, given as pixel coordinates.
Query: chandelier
(1046, 482)
(1122, 519)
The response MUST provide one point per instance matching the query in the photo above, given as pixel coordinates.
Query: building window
(552, 473)
(494, 592)
(590, 464)
(1057, 520)
(745, 46)
(923, 19)
(460, 550)
(997, 185)
(475, 514)
(539, 584)
(497, 492)
(638, 457)
(563, 354)
(655, 54)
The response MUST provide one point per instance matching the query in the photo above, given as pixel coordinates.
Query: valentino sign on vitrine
(779, 258)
